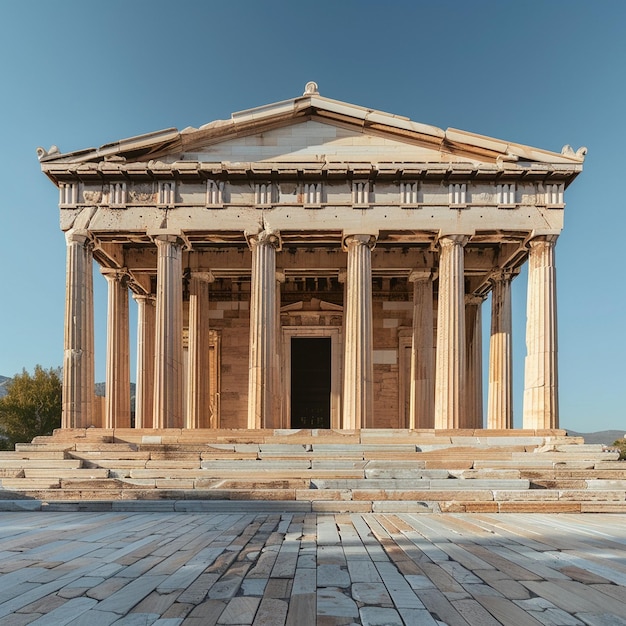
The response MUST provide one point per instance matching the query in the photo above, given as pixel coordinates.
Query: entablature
(268, 194)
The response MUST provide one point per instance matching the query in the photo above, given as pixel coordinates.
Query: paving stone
(302, 610)
(240, 611)
(371, 593)
(305, 580)
(460, 569)
(271, 612)
(602, 619)
(377, 616)
(333, 602)
(420, 617)
(138, 619)
(332, 576)
(96, 618)
(131, 594)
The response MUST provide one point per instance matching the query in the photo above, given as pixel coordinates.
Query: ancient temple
(311, 264)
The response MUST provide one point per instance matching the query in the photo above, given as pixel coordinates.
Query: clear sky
(81, 74)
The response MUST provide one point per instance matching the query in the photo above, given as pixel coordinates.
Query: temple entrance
(310, 382)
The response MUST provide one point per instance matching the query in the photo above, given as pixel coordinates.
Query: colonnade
(451, 399)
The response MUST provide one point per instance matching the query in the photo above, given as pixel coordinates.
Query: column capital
(541, 240)
(503, 274)
(205, 277)
(358, 240)
(167, 237)
(280, 277)
(267, 237)
(419, 276)
(112, 273)
(77, 235)
(472, 298)
(446, 241)
(146, 298)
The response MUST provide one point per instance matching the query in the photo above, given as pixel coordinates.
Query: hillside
(3, 385)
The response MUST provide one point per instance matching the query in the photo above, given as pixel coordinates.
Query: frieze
(142, 194)
(315, 194)
(92, 196)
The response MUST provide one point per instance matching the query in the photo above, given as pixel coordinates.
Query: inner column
(450, 361)
(500, 402)
(262, 372)
(358, 382)
(473, 417)
(144, 391)
(198, 383)
(422, 400)
(117, 413)
(168, 359)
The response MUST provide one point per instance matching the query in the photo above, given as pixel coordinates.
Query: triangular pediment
(315, 305)
(317, 141)
(314, 129)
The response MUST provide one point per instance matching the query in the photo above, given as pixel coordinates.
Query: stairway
(313, 470)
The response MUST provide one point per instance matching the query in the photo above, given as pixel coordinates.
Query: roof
(311, 105)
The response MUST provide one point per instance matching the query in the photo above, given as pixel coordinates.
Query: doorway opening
(310, 382)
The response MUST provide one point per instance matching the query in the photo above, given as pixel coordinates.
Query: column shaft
(78, 359)
(117, 412)
(422, 397)
(168, 363)
(198, 372)
(473, 417)
(358, 386)
(500, 402)
(144, 390)
(450, 360)
(279, 411)
(541, 406)
(262, 362)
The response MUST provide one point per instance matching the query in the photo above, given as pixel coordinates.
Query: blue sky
(544, 73)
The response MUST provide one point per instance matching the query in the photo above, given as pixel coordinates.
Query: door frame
(336, 353)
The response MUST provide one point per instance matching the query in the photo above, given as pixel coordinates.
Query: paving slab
(300, 568)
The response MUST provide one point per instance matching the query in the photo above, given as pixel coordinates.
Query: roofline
(313, 106)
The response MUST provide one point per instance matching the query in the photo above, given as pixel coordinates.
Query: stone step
(434, 484)
(40, 462)
(109, 455)
(24, 484)
(66, 473)
(9, 455)
(381, 470)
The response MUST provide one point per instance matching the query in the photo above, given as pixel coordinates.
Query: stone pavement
(301, 569)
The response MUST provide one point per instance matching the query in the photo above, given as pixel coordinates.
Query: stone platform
(305, 471)
(308, 569)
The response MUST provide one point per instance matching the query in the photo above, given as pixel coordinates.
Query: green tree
(31, 407)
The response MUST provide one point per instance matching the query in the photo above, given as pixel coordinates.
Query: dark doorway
(310, 382)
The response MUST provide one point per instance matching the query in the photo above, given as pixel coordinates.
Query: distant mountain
(3, 385)
(606, 437)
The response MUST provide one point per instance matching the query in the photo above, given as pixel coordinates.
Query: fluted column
(500, 401)
(473, 417)
(450, 360)
(279, 411)
(78, 353)
(541, 406)
(262, 370)
(144, 387)
(117, 411)
(168, 360)
(199, 353)
(358, 371)
(422, 398)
